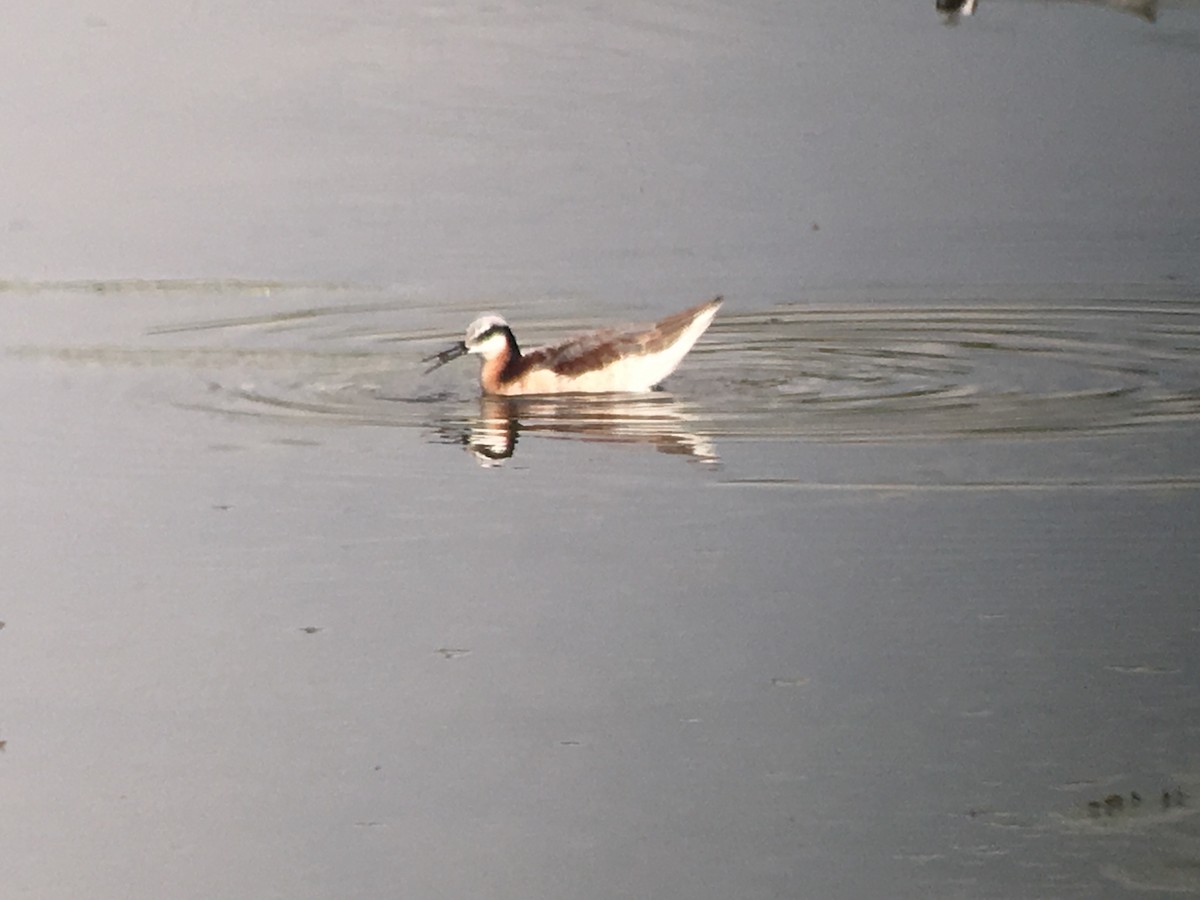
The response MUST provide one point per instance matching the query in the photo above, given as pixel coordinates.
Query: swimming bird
(607, 361)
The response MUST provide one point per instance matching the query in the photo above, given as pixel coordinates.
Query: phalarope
(606, 361)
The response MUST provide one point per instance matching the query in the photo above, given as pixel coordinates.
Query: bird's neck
(501, 367)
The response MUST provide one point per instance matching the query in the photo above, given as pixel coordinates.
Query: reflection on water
(657, 420)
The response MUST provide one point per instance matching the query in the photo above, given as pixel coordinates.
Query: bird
(632, 360)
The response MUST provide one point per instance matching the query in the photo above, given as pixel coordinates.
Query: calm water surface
(892, 591)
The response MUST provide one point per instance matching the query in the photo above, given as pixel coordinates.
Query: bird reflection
(657, 420)
(952, 11)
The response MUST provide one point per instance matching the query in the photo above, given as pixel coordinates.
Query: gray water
(891, 592)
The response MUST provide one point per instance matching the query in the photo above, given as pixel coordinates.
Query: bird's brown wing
(598, 349)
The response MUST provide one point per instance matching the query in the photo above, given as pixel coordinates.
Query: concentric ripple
(846, 373)
(950, 372)
(832, 375)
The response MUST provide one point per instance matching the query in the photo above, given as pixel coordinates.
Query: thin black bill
(440, 359)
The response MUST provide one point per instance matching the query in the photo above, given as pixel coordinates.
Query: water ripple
(902, 373)
(875, 375)
(841, 374)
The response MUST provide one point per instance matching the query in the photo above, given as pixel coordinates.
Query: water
(890, 592)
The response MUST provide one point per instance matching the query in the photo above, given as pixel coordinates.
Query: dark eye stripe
(495, 329)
